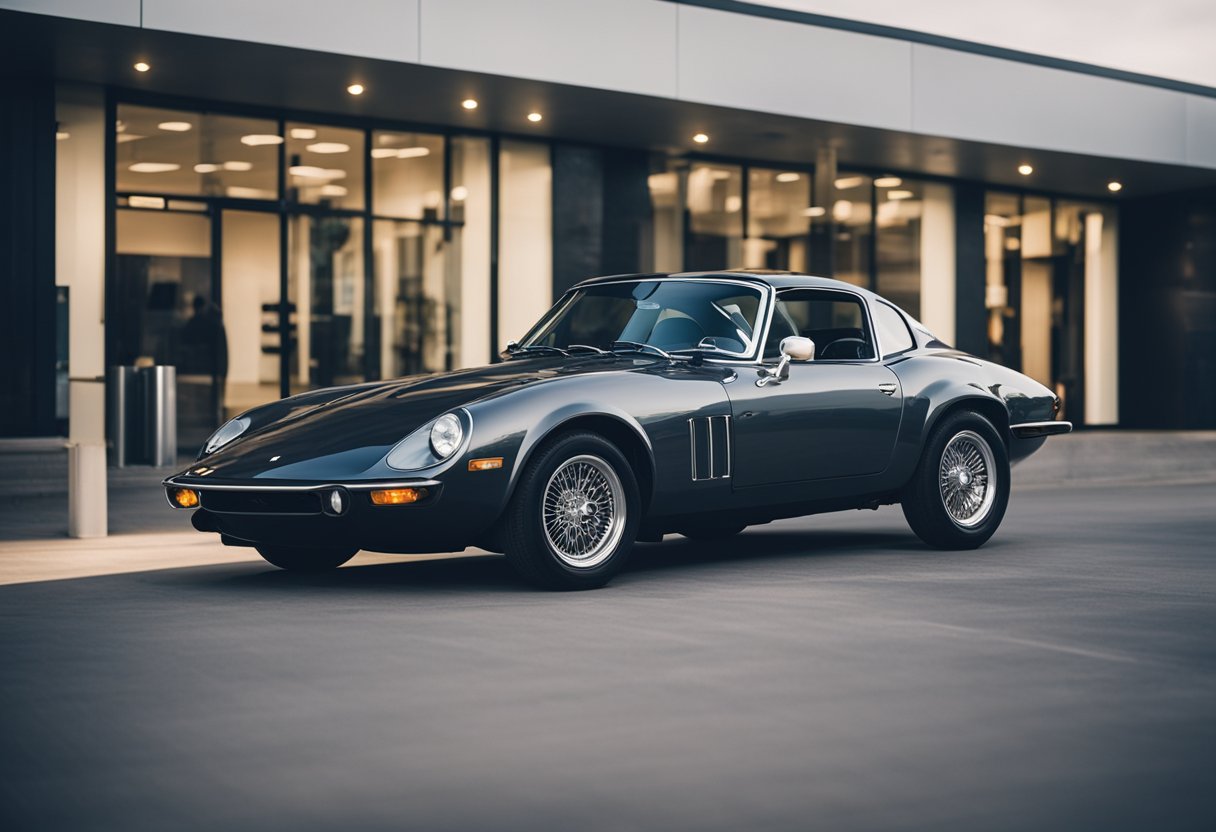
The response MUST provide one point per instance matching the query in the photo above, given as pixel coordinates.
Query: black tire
(529, 546)
(711, 532)
(303, 559)
(925, 497)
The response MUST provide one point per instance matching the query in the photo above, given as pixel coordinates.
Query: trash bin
(143, 415)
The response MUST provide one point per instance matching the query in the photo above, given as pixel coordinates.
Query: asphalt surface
(825, 673)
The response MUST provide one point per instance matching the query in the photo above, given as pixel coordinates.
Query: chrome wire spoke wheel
(583, 511)
(967, 479)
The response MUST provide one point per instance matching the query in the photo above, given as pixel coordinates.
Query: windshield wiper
(637, 346)
(573, 347)
(545, 348)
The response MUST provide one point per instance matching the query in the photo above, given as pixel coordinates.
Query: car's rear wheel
(306, 559)
(959, 493)
(713, 531)
(574, 515)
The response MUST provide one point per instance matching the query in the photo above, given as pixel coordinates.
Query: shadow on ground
(676, 557)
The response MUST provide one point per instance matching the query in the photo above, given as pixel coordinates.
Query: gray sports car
(639, 405)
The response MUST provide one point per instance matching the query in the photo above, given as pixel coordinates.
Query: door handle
(888, 388)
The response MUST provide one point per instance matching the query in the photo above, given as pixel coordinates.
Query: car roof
(761, 277)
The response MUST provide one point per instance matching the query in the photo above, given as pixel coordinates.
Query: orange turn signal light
(487, 464)
(397, 496)
(183, 497)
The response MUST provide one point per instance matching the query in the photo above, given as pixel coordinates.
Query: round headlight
(228, 431)
(446, 434)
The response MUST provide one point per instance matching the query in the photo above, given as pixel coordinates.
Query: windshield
(671, 315)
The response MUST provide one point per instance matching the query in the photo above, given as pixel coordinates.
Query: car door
(835, 416)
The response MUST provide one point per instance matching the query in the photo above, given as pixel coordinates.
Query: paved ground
(825, 673)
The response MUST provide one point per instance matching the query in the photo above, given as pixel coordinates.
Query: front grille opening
(262, 502)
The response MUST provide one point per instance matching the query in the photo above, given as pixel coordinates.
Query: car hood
(347, 435)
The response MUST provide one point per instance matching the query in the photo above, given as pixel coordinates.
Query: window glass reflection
(900, 204)
(715, 216)
(778, 219)
(162, 151)
(850, 214)
(407, 175)
(325, 165)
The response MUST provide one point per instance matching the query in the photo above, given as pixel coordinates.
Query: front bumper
(327, 514)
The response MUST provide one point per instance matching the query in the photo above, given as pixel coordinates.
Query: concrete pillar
(80, 201)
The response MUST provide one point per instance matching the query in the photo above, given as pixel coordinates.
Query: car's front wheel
(574, 515)
(306, 559)
(958, 495)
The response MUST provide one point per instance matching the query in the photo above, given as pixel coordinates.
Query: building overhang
(195, 70)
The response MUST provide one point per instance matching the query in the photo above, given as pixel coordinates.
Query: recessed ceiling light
(175, 126)
(789, 176)
(814, 211)
(844, 183)
(383, 152)
(60, 135)
(355, 89)
(146, 201)
(206, 167)
(1025, 169)
(328, 147)
(259, 139)
(460, 193)
(535, 117)
(899, 194)
(238, 166)
(888, 182)
(304, 133)
(734, 204)
(700, 138)
(334, 190)
(1114, 187)
(142, 66)
(469, 103)
(413, 152)
(314, 172)
(153, 167)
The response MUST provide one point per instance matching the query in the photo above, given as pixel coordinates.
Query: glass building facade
(264, 255)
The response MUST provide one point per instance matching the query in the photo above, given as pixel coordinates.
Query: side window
(893, 333)
(835, 321)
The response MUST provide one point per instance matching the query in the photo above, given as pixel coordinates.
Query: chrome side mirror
(793, 348)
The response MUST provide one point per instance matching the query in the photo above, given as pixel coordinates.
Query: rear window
(893, 334)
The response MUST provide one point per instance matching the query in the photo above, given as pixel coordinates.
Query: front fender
(653, 409)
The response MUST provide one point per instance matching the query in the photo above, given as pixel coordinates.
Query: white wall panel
(988, 99)
(385, 29)
(1201, 131)
(623, 45)
(735, 60)
(122, 12)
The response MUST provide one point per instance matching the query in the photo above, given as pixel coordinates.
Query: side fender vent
(709, 440)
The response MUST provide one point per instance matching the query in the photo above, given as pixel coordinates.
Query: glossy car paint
(826, 438)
